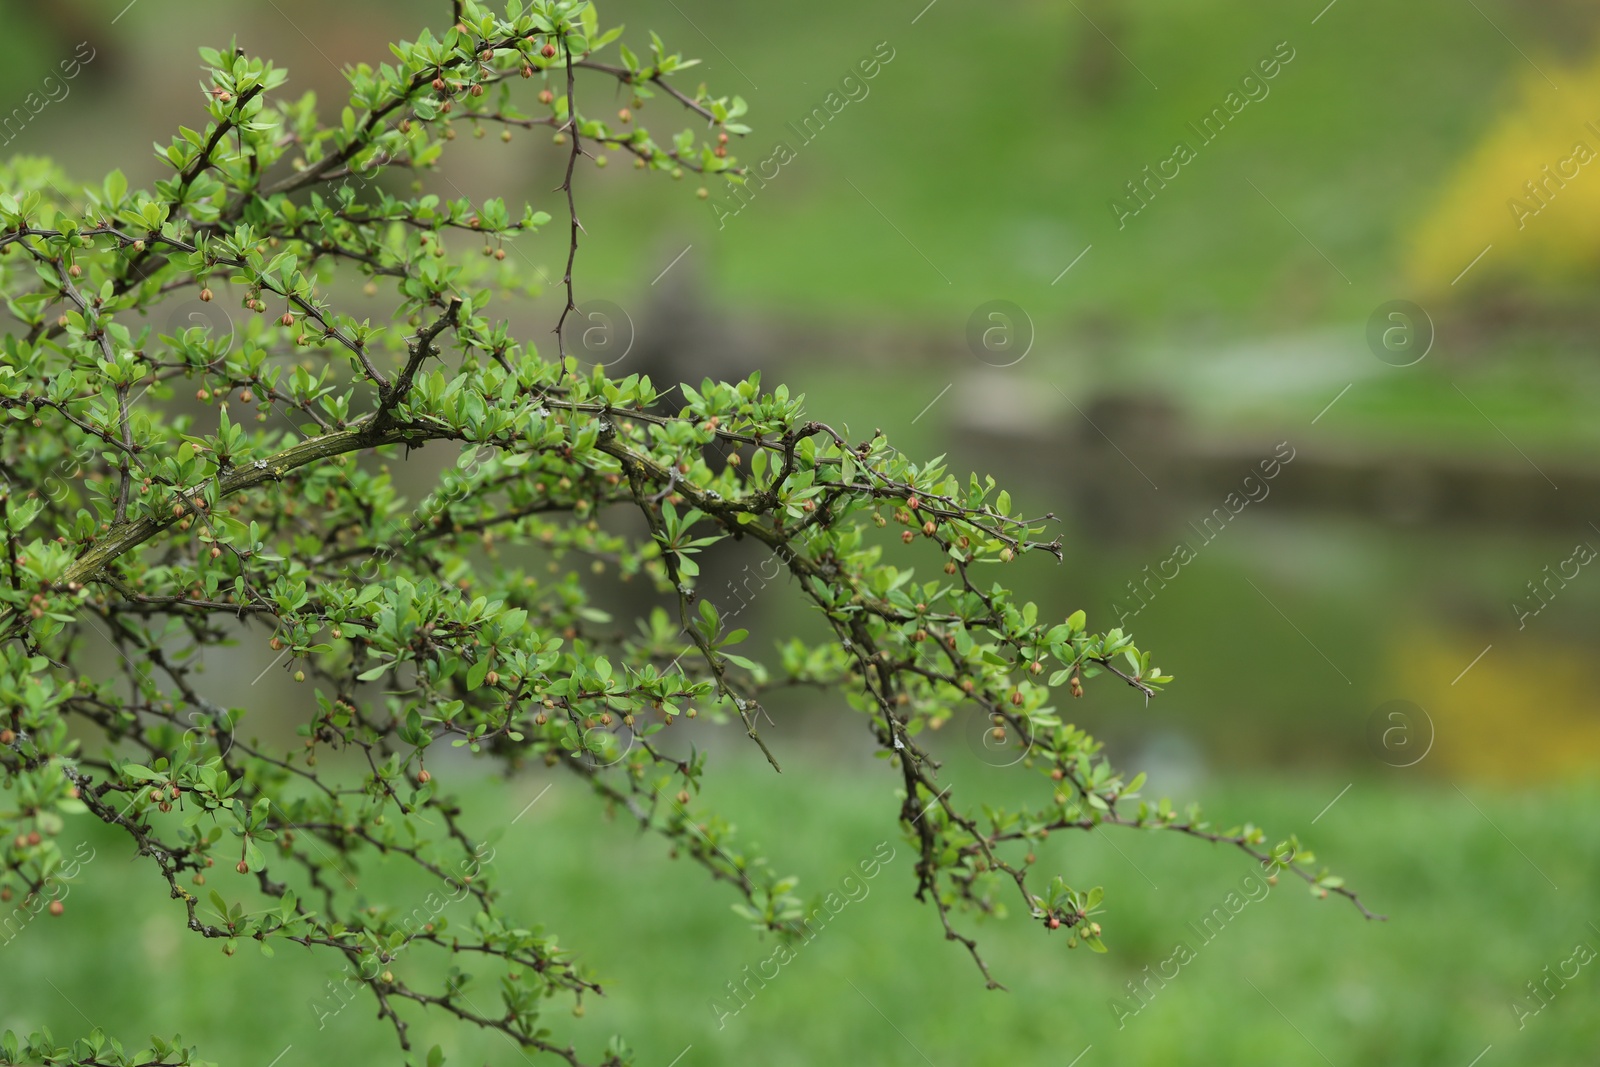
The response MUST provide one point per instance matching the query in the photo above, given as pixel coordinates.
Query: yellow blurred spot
(1531, 189)
(1525, 712)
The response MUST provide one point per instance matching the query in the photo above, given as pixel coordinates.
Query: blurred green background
(1148, 369)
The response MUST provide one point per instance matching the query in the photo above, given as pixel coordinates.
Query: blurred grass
(1470, 922)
